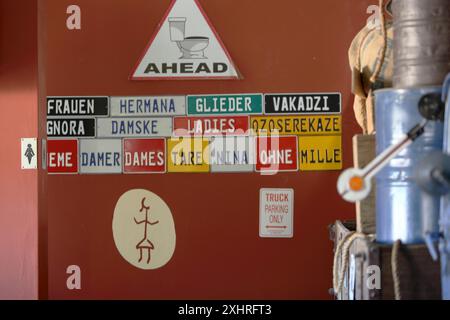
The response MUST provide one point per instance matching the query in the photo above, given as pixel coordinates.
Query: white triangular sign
(186, 46)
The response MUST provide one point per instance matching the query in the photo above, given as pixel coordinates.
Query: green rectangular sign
(229, 104)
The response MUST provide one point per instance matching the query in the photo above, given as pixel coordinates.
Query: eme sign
(185, 46)
(276, 213)
(62, 156)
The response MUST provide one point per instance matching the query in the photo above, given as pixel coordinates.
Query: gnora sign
(185, 46)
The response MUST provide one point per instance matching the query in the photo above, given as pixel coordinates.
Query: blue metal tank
(403, 211)
(444, 245)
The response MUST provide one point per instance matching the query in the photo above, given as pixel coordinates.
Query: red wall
(18, 188)
(284, 46)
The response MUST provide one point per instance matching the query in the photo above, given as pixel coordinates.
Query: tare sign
(230, 104)
(185, 46)
(276, 213)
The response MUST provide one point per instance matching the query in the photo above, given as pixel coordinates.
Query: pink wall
(18, 118)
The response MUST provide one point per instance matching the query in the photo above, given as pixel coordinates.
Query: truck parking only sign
(185, 46)
(276, 213)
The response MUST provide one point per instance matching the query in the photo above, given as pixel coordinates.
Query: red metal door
(288, 46)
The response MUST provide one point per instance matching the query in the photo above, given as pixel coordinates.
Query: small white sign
(276, 213)
(100, 156)
(134, 127)
(29, 153)
(232, 154)
(154, 106)
(185, 46)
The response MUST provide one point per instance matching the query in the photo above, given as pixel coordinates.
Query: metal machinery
(412, 168)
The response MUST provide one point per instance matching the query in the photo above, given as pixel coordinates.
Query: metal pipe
(421, 42)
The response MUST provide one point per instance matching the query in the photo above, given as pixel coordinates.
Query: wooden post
(364, 152)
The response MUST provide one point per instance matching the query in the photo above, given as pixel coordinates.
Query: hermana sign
(186, 46)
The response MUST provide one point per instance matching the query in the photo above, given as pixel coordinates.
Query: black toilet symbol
(29, 153)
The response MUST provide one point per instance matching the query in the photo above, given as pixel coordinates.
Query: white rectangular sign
(156, 106)
(276, 213)
(232, 154)
(134, 127)
(29, 153)
(100, 156)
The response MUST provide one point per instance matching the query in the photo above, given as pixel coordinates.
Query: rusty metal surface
(421, 42)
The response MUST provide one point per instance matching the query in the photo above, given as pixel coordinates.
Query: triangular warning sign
(185, 46)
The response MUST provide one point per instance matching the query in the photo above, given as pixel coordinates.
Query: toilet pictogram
(145, 244)
(143, 229)
(191, 47)
(29, 153)
(185, 46)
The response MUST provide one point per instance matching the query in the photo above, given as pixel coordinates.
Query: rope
(377, 71)
(394, 266)
(341, 258)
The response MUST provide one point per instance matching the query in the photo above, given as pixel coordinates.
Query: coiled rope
(394, 267)
(340, 262)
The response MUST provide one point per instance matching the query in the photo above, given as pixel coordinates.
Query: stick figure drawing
(145, 244)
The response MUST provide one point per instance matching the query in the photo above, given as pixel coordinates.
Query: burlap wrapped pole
(371, 62)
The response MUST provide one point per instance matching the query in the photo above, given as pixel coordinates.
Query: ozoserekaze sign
(194, 133)
(185, 46)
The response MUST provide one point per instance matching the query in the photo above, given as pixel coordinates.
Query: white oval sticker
(143, 229)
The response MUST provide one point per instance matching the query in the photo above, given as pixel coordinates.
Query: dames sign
(186, 46)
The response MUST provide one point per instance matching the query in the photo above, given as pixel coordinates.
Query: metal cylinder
(421, 42)
(403, 210)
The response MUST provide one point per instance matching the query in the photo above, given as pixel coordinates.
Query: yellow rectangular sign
(297, 125)
(188, 155)
(320, 153)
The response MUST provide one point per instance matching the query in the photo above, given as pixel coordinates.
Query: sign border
(291, 236)
(86, 116)
(247, 134)
(276, 171)
(149, 116)
(100, 173)
(189, 172)
(134, 173)
(158, 29)
(78, 158)
(225, 94)
(234, 172)
(303, 113)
